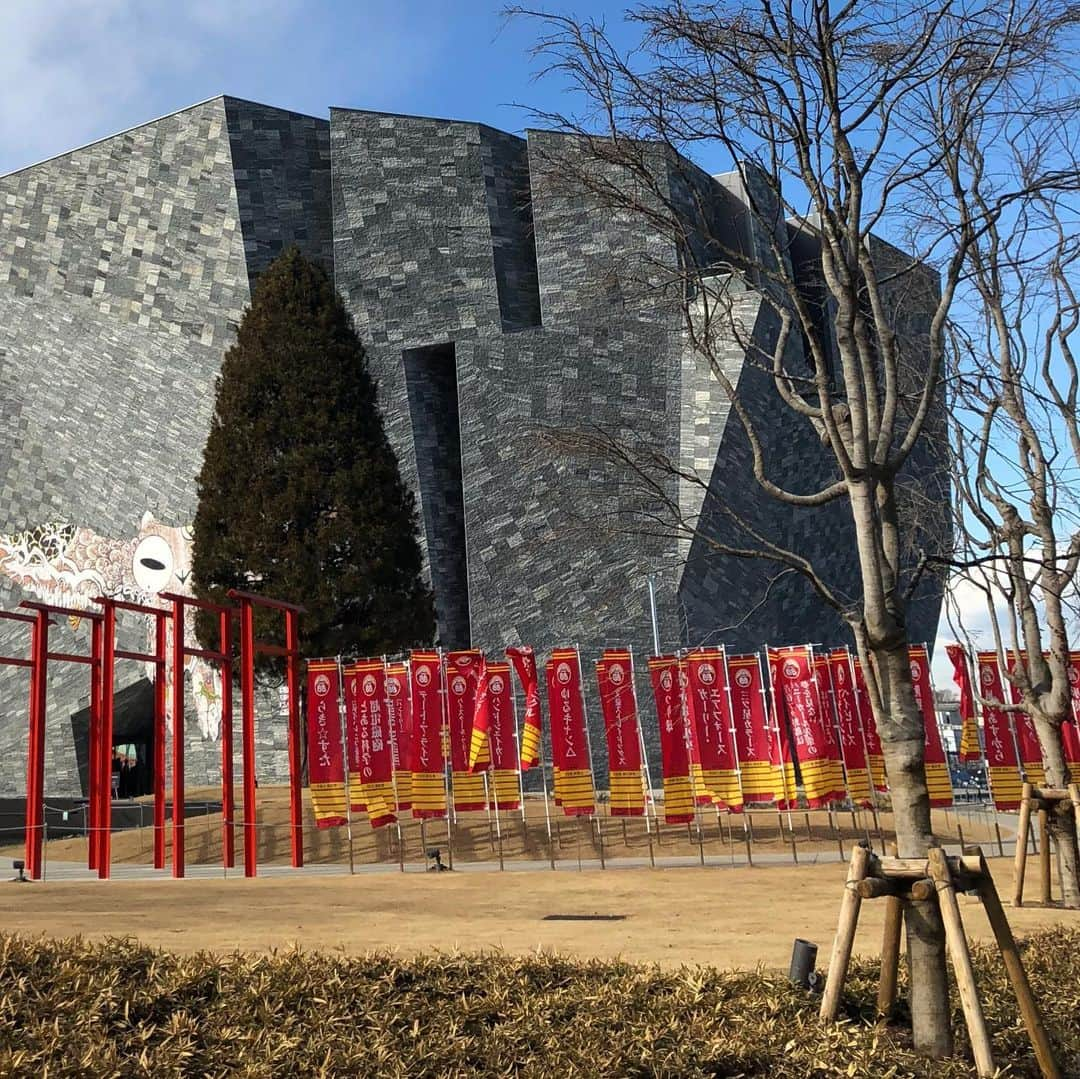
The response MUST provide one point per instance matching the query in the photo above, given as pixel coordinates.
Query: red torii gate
(101, 748)
(18, 661)
(35, 760)
(249, 648)
(223, 657)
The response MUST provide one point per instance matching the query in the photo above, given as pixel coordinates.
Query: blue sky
(72, 71)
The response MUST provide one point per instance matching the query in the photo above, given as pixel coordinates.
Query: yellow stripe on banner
(877, 771)
(723, 783)
(403, 781)
(702, 792)
(467, 789)
(1036, 774)
(477, 745)
(530, 743)
(576, 789)
(428, 793)
(858, 784)
(625, 791)
(507, 789)
(760, 778)
(1006, 785)
(356, 794)
(379, 798)
(938, 784)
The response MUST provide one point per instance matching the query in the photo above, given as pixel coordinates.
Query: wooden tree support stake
(1041, 801)
(938, 877)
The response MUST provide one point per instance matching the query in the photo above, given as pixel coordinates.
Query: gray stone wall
(507, 310)
(124, 269)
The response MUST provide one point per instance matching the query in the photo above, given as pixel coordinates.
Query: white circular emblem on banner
(665, 680)
(369, 685)
(841, 675)
(1074, 675)
(463, 661)
(791, 668)
(393, 686)
(987, 676)
(322, 685)
(914, 672)
(743, 678)
(562, 673)
(423, 676)
(496, 684)
(706, 674)
(458, 685)
(616, 674)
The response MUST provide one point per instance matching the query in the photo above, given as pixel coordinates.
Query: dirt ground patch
(726, 917)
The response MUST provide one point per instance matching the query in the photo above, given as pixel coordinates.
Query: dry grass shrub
(72, 1008)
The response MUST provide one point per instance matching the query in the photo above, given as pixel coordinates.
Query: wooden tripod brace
(903, 880)
(1044, 801)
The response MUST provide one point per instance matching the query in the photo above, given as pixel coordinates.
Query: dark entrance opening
(431, 382)
(133, 741)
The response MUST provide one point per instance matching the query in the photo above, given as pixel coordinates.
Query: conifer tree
(300, 496)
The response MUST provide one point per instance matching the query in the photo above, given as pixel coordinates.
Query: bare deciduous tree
(842, 121)
(1017, 446)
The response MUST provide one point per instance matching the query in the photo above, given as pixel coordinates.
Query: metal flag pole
(688, 742)
(652, 613)
(839, 744)
(779, 750)
(865, 749)
(646, 780)
(446, 748)
(747, 834)
(391, 736)
(517, 748)
(345, 760)
(588, 749)
(542, 765)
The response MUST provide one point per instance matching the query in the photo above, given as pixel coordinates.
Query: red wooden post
(160, 646)
(96, 719)
(292, 676)
(92, 763)
(228, 799)
(106, 659)
(35, 759)
(178, 739)
(247, 730)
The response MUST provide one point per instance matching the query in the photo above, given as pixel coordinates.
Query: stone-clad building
(496, 307)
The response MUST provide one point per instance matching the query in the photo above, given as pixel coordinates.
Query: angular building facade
(493, 300)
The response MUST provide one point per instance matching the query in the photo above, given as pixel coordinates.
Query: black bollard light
(803, 958)
(19, 866)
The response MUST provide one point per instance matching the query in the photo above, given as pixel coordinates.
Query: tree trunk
(1062, 821)
(903, 743)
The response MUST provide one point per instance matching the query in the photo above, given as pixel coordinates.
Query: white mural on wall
(68, 565)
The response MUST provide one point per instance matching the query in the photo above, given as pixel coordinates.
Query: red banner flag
(1070, 730)
(815, 745)
(852, 741)
(479, 754)
(574, 789)
(400, 722)
(618, 704)
(710, 708)
(762, 781)
(938, 781)
(1026, 735)
(326, 762)
(524, 663)
(462, 676)
(876, 758)
(369, 737)
(674, 739)
(970, 752)
(1002, 767)
(428, 766)
(702, 795)
(502, 743)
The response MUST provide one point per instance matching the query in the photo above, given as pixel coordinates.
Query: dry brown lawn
(720, 916)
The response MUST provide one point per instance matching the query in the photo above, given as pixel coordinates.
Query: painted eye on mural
(152, 565)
